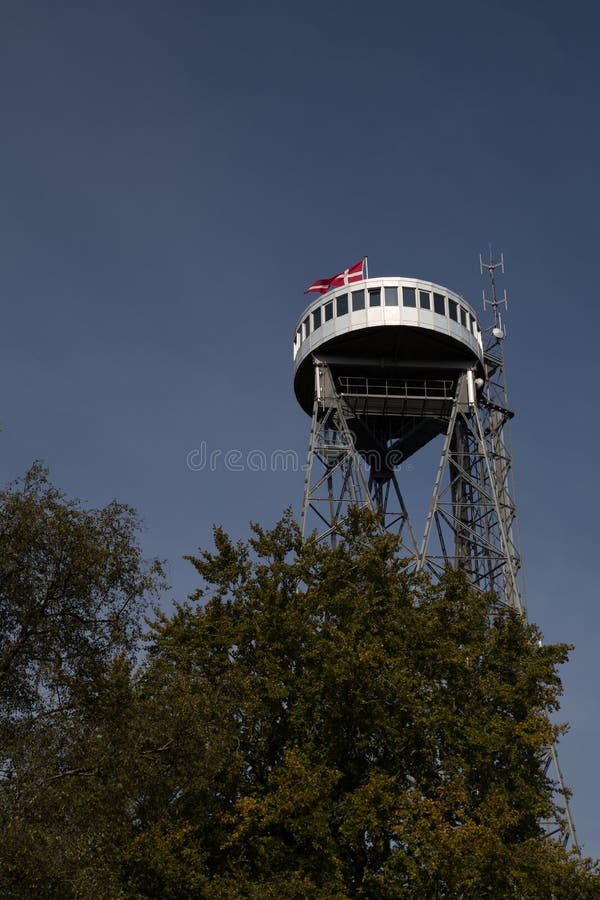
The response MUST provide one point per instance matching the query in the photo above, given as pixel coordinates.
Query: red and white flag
(348, 276)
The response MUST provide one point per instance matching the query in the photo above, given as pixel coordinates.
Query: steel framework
(472, 520)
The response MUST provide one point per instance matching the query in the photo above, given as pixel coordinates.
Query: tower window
(424, 300)
(391, 296)
(317, 318)
(375, 298)
(463, 316)
(358, 300)
(409, 297)
(453, 309)
(341, 304)
(439, 304)
(306, 325)
(329, 311)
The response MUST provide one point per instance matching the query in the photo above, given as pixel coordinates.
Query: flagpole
(366, 266)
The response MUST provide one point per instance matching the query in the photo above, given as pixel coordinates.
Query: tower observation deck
(384, 367)
(386, 322)
(395, 348)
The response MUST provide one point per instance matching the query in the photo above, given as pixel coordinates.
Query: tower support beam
(337, 476)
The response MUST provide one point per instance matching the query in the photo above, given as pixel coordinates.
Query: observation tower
(384, 367)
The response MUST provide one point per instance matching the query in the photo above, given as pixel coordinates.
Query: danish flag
(348, 276)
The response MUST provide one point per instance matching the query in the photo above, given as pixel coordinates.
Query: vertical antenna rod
(493, 302)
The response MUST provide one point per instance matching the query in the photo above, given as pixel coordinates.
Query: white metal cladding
(313, 329)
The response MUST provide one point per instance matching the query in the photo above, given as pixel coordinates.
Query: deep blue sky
(174, 174)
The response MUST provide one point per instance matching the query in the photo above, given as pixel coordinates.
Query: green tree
(312, 723)
(332, 727)
(73, 587)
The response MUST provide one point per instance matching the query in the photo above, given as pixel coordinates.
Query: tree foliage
(73, 585)
(313, 722)
(343, 729)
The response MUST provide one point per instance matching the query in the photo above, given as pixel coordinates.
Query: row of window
(443, 306)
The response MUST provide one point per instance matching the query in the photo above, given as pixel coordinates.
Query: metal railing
(434, 389)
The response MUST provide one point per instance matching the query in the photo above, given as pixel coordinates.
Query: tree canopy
(73, 589)
(313, 722)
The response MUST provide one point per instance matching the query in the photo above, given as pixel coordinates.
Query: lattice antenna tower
(493, 340)
(494, 354)
(496, 416)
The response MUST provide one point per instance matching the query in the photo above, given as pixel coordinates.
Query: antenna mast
(496, 400)
(493, 302)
